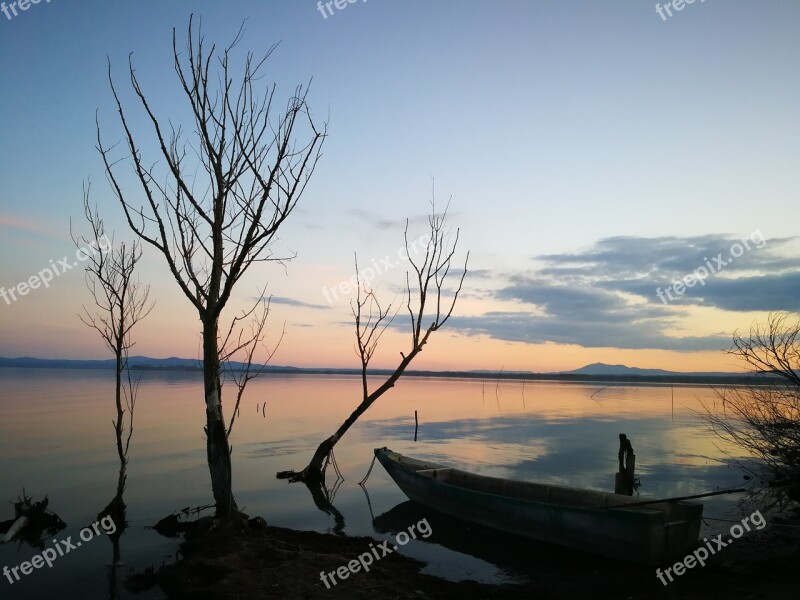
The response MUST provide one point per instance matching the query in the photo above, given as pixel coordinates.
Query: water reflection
(577, 453)
(323, 500)
(117, 511)
(517, 557)
(54, 437)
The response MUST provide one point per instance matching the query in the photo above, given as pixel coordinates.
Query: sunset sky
(593, 154)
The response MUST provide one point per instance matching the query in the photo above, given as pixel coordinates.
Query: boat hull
(584, 520)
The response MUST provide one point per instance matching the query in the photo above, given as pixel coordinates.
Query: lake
(57, 438)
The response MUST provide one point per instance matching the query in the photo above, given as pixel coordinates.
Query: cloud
(742, 294)
(606, 295)
(666, 258)
(376, 221)
(22, 224)
(627, 334)
(479, 274)
(296, 303)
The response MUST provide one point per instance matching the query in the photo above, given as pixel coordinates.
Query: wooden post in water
(416, 425)
(623, 480)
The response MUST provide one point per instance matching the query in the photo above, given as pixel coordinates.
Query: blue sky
(581, 135)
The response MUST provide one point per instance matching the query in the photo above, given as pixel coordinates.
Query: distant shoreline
(186, 367)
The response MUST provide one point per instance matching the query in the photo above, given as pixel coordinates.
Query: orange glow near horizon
(332, 346)
(325, 338)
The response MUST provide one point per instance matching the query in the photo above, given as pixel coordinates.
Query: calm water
(56, 438)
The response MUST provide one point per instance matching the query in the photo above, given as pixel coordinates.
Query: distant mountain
(623, 370)
(172, 363)
(593, 372)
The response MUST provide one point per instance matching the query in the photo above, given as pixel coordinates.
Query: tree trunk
(314, 469)
(218, 450)
(119, 425)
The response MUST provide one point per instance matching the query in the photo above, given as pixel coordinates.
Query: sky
(626, 184)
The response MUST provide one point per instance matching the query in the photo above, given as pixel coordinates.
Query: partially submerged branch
(425, 299)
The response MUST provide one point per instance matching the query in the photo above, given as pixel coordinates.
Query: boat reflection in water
(515, 556)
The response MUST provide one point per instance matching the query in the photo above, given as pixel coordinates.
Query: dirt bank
(248, 559)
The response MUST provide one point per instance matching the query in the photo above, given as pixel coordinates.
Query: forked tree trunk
(218, 449)
(430, 275)
(313, 470)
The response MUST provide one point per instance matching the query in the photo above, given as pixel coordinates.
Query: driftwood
(179, 523)
(32, 521)
(18, 526)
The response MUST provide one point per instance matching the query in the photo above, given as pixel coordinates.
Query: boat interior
(539, 492)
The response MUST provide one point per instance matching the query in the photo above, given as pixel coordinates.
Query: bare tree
(251, 172)
(772, 349)
(764, 419)
(121, 302)
(246, 344)
(425, 299)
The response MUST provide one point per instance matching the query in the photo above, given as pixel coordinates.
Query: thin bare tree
(425, 299)
(764, 418)
(240, 373)
(250, 170)
(121, 301)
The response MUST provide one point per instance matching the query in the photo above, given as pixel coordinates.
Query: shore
(249, 559)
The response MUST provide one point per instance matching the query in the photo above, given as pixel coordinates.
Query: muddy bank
(248, 559)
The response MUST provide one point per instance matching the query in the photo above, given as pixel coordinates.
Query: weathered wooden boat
(602, 523)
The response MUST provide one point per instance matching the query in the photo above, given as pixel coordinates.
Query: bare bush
(764, 418)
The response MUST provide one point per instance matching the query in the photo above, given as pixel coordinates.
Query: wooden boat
(587, 520)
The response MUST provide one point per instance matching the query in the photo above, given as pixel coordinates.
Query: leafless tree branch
(424, 301)
(120, 303)
(212, 203)
(764, 419)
